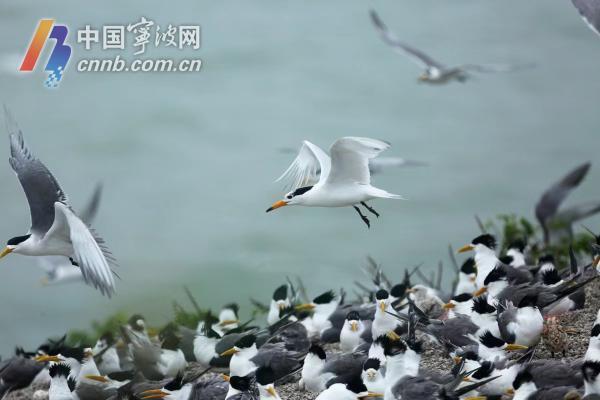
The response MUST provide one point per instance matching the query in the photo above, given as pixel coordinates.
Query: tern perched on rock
(434, 71)
(55, 228)
(344, 179)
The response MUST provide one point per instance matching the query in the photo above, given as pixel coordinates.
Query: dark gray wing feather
(41, 188)
(89, 212)
(553, 197)
(590, 12)
(391, 40)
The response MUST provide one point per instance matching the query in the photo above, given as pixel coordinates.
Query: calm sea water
(188, 160)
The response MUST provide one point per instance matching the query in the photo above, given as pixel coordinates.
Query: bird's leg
(371, 209)
(363, 217)
(73, 262)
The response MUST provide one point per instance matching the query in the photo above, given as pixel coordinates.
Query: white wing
(350, 159)
(310, 166)
(89, 250)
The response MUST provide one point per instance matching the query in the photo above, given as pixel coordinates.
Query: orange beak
(277, 205)
(466, 248)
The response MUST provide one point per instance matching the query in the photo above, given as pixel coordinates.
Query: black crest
(521, 378)
(372, 363)
(528, 301)
(280, 293)
(133, 322)
(72, 383)
(325, 298)
(462, 298)
(241, 383)
(245, 342)
(356, 385)
(546, 259)
(301, 191)
(416, 346)
(382, 294)
(590, 370)
(491, 341)
(398, 290)
(59, 369)
(73, 352)
(353, 316)
(265, 376)
(497, 274)
(17, 239)
(468, 266)
(506, 259)
(392, 348)
(484, 370)
(470, 355)
(518, 244)
(108, 338)
(487, 240)
(317, 351)
(232, 306)
(595, 330)
(550, 276)
(481, 305)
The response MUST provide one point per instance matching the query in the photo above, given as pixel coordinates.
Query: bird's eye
(289, 196)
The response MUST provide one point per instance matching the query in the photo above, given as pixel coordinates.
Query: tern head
(490, 341)
(357, 387)
(228, 317)
(590, 370)
(317, 351)
(371, 369)
(398, 290)
(280, 298)
(484, 371)
(524, 382)
(292, 198)
(245, 343)
(265, 378)
(137, 323)
(468, 267)
(383, 300)
(323, 302)
(517, 244)
(241, 383)
(14, 245)
(352, 322)
(463, 298)
(106, 340)
(481, 242)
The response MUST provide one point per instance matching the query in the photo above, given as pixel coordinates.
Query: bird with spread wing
(434, 71)
(55, 228)
(340, 180)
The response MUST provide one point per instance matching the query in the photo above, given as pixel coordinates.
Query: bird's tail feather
(383, 194)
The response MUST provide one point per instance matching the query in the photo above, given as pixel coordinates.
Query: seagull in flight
(342, 180)
(55, 228)
(434, 71)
